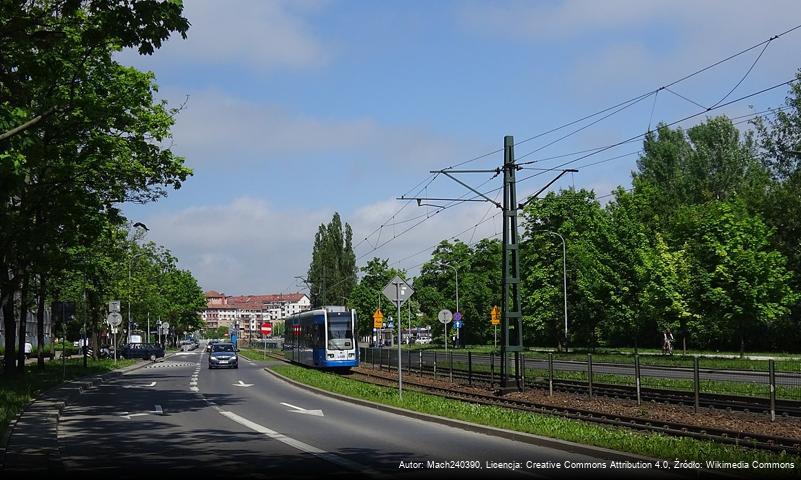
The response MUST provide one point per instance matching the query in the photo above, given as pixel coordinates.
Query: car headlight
(233, 358)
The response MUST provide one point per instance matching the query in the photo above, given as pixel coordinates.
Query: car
(146, 351)
(223, 355)
(210, 344)
(187, 345)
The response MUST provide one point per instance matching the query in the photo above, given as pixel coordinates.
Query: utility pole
(511, 314)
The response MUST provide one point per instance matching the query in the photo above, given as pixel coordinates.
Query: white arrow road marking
(304, 447)
(129, 415)
(194, 389)
(318, 413)
(243, 384)
(158, 410)
(151, 384)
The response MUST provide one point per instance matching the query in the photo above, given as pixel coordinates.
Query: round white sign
(165, 326)
(445, 316)
(114, 319)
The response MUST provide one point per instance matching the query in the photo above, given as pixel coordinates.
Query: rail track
(709, 400)
(757, 441)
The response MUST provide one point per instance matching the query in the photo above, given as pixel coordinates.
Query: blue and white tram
(322, 338)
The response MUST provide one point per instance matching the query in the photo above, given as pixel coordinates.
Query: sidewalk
(31, 442)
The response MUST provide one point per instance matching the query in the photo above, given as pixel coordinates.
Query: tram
(322, 338)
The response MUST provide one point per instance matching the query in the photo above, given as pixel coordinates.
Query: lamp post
(458, 330)
(564, 274)
(130, 265)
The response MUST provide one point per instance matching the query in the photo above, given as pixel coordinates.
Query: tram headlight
(330, 355)
(351, 355)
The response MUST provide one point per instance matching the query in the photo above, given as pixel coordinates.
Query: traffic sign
(266, 328)
(378, 319)
(114, 319)
(296, 329)
(165, 326)
(398, 291)
(445, 316)
(457, 316)
(457, 324)
(114, 306)
(495, 315)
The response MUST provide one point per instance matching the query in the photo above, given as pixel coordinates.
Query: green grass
(256, 354)
(18, 391)
(653, 445)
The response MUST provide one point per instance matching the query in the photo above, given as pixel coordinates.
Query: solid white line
(304, 447)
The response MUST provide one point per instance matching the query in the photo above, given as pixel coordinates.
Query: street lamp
(564, 274)
(130, 264)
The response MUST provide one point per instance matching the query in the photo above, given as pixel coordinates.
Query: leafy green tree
(332, 272)
(368, 295)
(78, 132)
(740, 282)
(579, 218)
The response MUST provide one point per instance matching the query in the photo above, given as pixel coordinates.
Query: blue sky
(297, 109)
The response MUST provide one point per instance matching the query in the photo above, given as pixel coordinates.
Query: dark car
(223, 355)
(147, 351)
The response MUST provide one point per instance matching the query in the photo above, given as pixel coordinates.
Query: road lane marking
(194, 389)
(151, 384)
(317, 413)
(129, 415)
(158, 410)
(304, 447)
(243, 384)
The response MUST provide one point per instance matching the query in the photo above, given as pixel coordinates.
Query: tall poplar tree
(332, 272)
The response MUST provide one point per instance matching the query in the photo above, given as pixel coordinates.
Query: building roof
(271, 298)
(251, 302)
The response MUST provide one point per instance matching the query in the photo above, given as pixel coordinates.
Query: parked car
(147, 351)
(187, 345)
(223, 355)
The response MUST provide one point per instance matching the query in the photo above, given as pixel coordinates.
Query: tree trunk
(23, 323)
(40, 311)
(9, 323)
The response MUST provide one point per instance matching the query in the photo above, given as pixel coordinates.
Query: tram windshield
(340, 334)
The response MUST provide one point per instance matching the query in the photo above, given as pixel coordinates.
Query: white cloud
(216, 128)
(245, 246)
(255, 34)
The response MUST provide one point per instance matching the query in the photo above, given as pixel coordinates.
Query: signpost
(266, 329)
(445, 317)
(114, 320)
(398, 291)
(495, 316)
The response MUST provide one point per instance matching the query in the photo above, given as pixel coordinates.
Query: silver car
(223, 355)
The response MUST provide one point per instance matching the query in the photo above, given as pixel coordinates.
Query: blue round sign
(457, 316)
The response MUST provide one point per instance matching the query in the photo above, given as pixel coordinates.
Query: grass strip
(654, 445)
(17, 391)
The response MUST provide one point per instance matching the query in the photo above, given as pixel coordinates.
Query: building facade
(250, 311)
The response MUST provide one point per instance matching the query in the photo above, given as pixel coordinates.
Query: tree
(332, 272)
(368, 294)
(78, 132)
(740, 283)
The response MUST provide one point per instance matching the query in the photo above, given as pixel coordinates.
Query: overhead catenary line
(623, 104)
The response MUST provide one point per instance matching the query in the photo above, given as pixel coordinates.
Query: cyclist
(667, 342)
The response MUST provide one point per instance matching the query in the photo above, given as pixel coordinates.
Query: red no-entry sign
(266, 328)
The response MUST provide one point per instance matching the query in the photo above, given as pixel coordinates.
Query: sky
(294, 110)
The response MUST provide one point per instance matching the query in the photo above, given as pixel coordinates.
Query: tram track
(786, 408)
(455, 392)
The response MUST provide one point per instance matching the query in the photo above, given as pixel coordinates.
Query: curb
(43, 412)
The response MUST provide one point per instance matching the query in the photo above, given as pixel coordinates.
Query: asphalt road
(179, 417)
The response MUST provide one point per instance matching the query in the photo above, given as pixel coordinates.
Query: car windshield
(223, 348)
